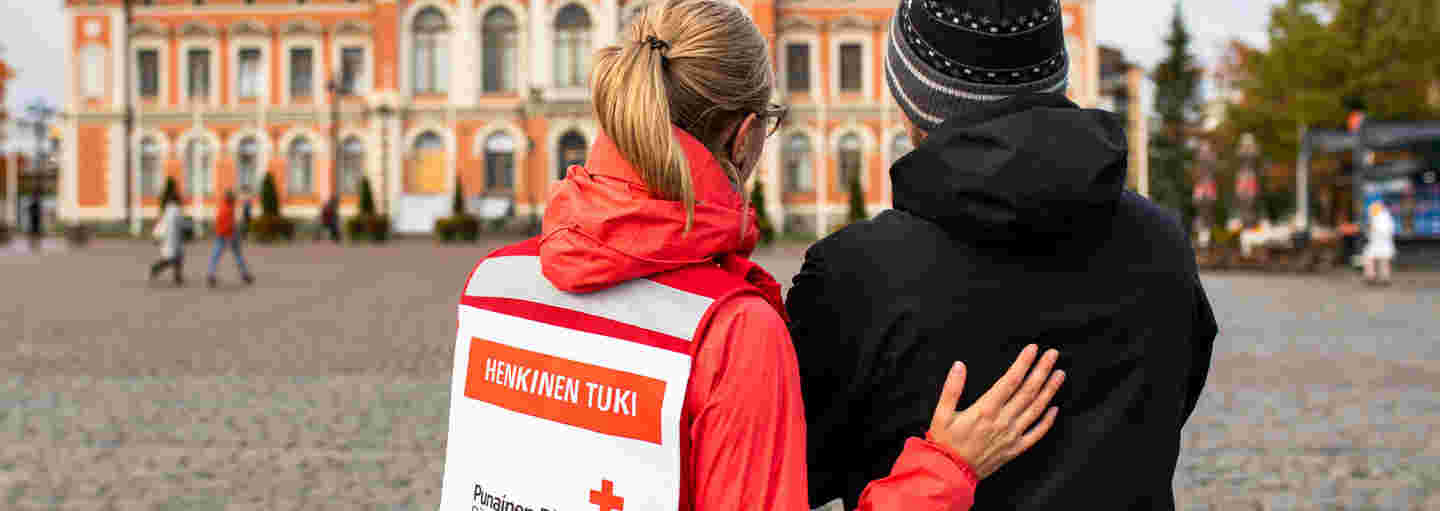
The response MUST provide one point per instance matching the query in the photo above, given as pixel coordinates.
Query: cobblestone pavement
(324, 386)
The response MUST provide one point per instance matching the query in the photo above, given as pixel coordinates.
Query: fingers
(1037, 406)
(1022, 399)
(1029, 440)
(949, 395)
(999, 394)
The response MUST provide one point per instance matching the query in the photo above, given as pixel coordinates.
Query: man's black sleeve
(1202, 345)
(817, 323)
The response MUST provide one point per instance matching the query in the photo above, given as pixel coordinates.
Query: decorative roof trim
(301, 27)
(352, 27)
(197, 29)
(248, 28)
(850, 22)
(149, 29)
(798, 23)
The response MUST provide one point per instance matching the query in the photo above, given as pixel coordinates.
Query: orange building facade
(487, 93)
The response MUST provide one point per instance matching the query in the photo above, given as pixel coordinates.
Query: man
(246, 198)
(330, 219)
(1011, 226)
(225, 235)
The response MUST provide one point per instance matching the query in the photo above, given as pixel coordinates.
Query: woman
(1380, 249)
(169, 231)
(641, 281)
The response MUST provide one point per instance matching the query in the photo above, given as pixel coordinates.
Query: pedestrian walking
(330, 219)
(1380, 250)
(169, 233)
(225, 236)
(36, 212)
(246, 200)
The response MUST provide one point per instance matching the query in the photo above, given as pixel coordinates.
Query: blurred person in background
(1380, 248)
(169, 233)
(225, 236)
(242, 231)
(330, 219)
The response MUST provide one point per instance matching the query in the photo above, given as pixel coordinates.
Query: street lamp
(39, 122)
(338, 89)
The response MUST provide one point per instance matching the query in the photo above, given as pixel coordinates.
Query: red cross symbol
(605, 498)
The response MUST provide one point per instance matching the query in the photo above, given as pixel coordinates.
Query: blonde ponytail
(696, 64)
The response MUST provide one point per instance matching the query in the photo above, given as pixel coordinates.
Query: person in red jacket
(225, 236)
(632, 356)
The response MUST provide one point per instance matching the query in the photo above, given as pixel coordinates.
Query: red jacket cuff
(971, 478)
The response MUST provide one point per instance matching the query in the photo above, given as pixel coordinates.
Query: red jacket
(225, 218)
(743, 423)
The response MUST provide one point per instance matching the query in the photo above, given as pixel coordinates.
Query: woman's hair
(697, 64)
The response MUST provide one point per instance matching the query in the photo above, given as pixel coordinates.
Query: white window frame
(162, 69)
(816, 158)
(165, 151)
(522, 45)
(250, 43)
(317, 76)
(198, 43)
(522, 149)
(867, 148)
(92, 74)
(407, 152)
(587, 128)
(262, 158)
(867, 62)
(182, 150)
(407, 45)
(366, 81)
(813, 41)
(580, 92)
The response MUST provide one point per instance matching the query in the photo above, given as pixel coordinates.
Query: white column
(463, 58)
(119, 73)
(822, 183)
(12, 186)
(774, 193)
(541, 69)
(393, 168)
(608, 31)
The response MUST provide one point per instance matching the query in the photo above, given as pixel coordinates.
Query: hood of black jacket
(1026, 169)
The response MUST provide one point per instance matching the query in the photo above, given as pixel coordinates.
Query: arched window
(500, 37)
(247, 162)
(500, 162)
(799, 164)
(572, 46)
(149, 167)
(302, 168)
(899, 147)
(848, 164)
(198, 162)
(92, 71)
(572, 152)
(427, 175)
(352, 165)
(431, 51)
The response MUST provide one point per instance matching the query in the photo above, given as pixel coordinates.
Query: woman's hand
(996, 428)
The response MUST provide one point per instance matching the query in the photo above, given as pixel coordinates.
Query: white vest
(568, 402)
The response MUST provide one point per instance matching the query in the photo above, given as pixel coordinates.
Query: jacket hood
(1024, 169)
(603, 227)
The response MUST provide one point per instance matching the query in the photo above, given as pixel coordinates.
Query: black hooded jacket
(1011, 226)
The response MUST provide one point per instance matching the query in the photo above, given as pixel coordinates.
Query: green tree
(367, 198)
(459, 206)
(857, 201)
(269, 197)
(1177, 100)
(1325, 57)
(762, 216)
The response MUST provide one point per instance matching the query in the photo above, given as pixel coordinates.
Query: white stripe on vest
(544, 417)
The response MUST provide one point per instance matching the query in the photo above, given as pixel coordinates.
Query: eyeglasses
(774, 117)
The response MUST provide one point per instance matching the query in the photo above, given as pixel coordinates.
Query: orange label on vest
(586, 396)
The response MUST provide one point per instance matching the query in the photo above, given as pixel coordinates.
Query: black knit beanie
(945, 57)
